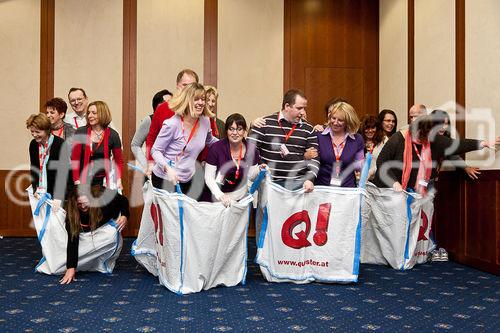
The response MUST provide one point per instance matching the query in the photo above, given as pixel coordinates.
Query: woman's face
(211, 102)
(337, 122)
(388, 123)
(38, 134)
(235, 133)
(199, 105)
(93, 116)
(82, 202)
(54, 116)
(370, 132)
(444, 127)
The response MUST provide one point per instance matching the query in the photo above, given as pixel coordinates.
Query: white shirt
(75, 120)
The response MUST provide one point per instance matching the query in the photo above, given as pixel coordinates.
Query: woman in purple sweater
(182, 138)
(341, 148)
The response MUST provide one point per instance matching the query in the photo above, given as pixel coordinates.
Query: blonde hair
(183, 101)
(39, 121)
(351, 118)
(103, 113)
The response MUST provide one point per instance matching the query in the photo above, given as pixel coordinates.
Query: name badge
(284, 150)
(423, 183)
(334, 181)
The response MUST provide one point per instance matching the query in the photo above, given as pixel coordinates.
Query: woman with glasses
(230, 162)
(341, 148)
(389, 122)
(181, 139)
(374, 138)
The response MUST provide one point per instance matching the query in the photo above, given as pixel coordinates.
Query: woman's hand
(490, 144)
(121, 223)
(263, 166)
(319, 128)
(56, 204)
(69, 276)
(259, 122)
(119, 184)
(226, 201)
(149, 169)
(472, 172)
(310, 153)
(397, 187)
(171, 175)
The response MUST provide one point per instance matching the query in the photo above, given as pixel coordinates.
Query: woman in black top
(49, 163)
(84, 214)
(403, 162)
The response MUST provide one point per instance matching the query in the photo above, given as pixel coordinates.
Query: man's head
(185, 77)
(416, 111)
(78, 100)
(294, 105)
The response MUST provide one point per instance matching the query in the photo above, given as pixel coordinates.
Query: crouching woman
(88, 212)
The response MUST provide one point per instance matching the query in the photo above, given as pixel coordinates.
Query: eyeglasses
(233, 130)
(75, 101)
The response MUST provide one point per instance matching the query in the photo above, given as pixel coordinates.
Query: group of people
(77, 157)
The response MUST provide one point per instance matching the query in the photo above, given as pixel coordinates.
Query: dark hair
(57, 104)
(158, 98)
(370, 122)
(189, 72)
(423, 125)
(381, 117)
(438, 119)
(331, 102)
(235, 118)
(76, 89)
(290, 96)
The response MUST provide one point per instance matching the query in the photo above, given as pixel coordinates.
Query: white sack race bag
(97, 251)
(396, 227)
(144, 247)
(307, 237)
(200, 245)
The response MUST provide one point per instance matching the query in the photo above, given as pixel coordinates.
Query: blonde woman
(341, 148)
(182, 138)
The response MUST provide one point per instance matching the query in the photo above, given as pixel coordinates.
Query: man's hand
(310, 153)
(308, 186)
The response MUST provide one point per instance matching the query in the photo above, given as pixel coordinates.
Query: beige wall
(482, 76)
(88, 51)
(170, 36)
(393, 57)
(435, 54)
(20, 73)
(250, 57)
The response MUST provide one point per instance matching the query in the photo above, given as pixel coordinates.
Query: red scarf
(86, 156)
(424, 168)
(213, 127)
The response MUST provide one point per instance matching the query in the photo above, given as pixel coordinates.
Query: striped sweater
(269, 139)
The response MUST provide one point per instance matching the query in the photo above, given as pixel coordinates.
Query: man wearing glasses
(78, 101)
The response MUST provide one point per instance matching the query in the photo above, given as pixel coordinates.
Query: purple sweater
(170, 142)
(351, 159)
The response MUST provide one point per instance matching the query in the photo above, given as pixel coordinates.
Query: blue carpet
(430, 298)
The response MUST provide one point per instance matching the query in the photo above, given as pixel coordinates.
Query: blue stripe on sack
(43, 199)
(258, 180)
(245, 269)
(132, 249)
(364, 173)
(357, 245)
(263, 229)
(181, 222)
(409, 201)
(117, 243)
(40, 263)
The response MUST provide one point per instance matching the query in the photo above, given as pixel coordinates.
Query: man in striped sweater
(283, 140)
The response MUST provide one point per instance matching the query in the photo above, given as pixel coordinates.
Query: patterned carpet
(430, 298)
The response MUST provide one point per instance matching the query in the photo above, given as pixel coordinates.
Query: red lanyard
(59, 134)
(191, 134)
(240, 156)
(213, 123)
(337, 151)
(418, 154)
(76, 123)
(42, 157)
(287, 136)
